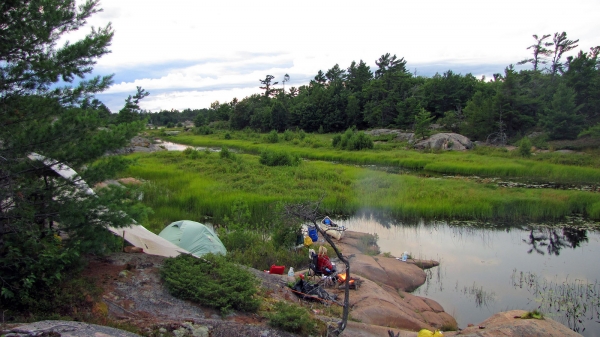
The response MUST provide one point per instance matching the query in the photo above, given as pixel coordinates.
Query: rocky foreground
(134, 295)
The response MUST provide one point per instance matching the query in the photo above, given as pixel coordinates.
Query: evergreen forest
(555, 93)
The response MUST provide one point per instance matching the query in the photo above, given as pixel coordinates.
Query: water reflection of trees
(554, 239)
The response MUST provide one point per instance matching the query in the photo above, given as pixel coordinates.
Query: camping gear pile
(311, 291)
(332, 229)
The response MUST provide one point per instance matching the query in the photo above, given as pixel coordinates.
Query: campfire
(341, 278)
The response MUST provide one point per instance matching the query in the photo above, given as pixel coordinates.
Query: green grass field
(180, 186)
(543, 167)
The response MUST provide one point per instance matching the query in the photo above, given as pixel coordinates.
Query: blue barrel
(312, 233)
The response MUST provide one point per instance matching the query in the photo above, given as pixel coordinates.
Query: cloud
(191, 47)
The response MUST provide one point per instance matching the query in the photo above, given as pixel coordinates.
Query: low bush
(272, 137)
(212, 281)
(288, 135)
(261, 254)
(292, 318)
(278, 158)
(226, 154)
(525, 147)
(352, 140)
(203, 130)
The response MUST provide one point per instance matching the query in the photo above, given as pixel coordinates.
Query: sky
(190, 53)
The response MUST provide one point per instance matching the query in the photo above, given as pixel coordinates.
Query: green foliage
(227, 135)
(562, 119)
(525, 147)
(68, 127)
(201, 130)
(272, 137)
(225, 153)
(591, 132)
(211, 281)
(182, 188)
(352, 140)
(288, 135)
(422, 123)
(191, 153)
(292, 318)
(278, 158)
(535, 314)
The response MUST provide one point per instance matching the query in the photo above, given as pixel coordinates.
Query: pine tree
(42, 128)
(562, 119)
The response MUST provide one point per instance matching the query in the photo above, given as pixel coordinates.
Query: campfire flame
(342, 278)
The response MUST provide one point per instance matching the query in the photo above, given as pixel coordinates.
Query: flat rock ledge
(504, 324)
(384, 297)
(65, 329)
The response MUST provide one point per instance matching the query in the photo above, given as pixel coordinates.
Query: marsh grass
(483, 161)
(574, 301)
(182, 187)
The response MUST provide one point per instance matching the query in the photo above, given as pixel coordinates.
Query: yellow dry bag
(428, 333)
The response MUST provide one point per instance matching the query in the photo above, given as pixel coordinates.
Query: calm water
(486, 270)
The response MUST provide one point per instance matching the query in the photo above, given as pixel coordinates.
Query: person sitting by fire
(324, 265)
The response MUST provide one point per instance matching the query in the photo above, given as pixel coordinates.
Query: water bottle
(291, 272)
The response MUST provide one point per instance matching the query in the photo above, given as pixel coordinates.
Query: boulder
(384, 306)
(506, 325)
(400, 135)
(445, 141)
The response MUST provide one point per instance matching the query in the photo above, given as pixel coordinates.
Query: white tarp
(135, 234)
(151, 243)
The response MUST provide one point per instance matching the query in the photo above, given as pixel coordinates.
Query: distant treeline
(559, 95)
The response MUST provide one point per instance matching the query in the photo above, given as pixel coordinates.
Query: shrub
(273, 137)
(251, 249)
(211, 281)
(292, 318)
(191, 153)
(227, 135)
(226, 154)
(301, 134)
(352, 140)
(277, 158)
(288, 135)
(240, 240)
(525, 147)
(591, 132)
(203, 130)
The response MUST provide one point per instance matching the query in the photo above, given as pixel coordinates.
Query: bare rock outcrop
(506, 325)
(445, 141)
(399, 134)
(383, 297)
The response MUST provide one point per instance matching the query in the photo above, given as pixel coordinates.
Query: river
(485, 270)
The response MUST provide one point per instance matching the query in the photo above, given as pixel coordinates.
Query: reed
(574, 302)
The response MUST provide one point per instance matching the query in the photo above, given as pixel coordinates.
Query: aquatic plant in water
(572, 302)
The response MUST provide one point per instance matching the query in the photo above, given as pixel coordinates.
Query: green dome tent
(193, 237)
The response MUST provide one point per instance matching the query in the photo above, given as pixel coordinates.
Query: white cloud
(227, 38)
